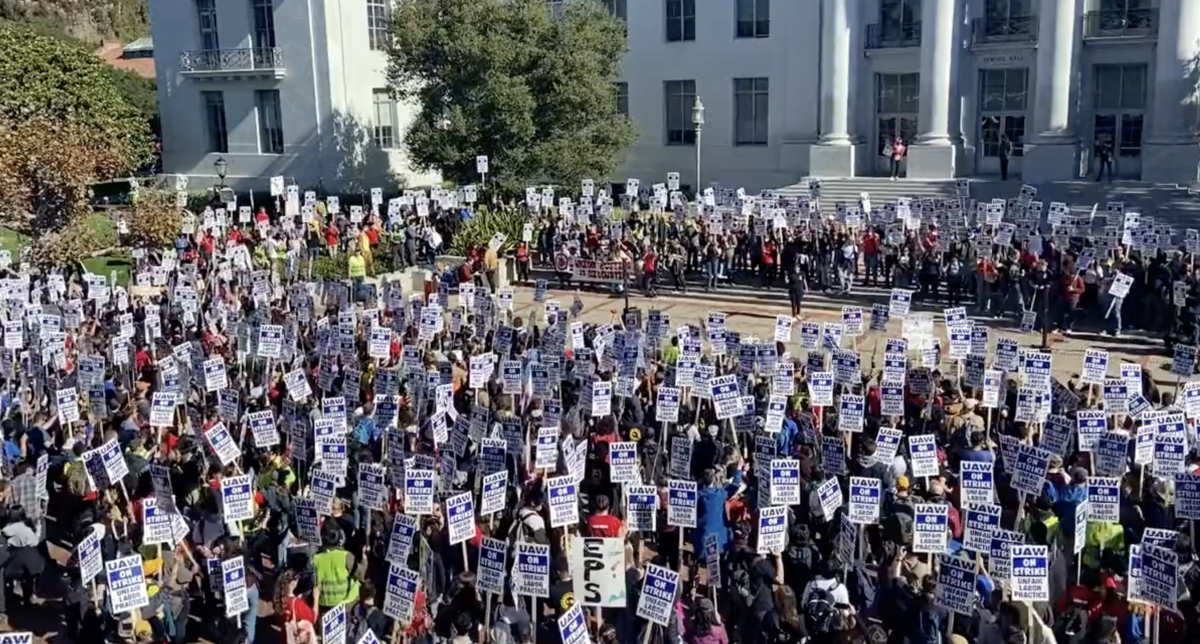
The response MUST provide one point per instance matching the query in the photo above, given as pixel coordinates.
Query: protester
(461, 461)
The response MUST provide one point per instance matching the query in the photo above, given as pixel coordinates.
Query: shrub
(480, 229)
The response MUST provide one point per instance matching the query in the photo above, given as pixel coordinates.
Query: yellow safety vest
(358, 266)
(333, 578)
(1052, 526)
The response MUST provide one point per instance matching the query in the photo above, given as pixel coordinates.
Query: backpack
(820, 612)
(1071, 625)
(525, 532)
(501, 632)
(77, 483)
(358, 623)
(739, 579)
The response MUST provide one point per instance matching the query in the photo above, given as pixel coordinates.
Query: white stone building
(279, 87)
(793, 88)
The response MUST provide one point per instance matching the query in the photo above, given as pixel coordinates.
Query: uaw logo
(562, 263)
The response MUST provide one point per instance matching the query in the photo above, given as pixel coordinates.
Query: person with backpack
(364, 616)
(751, 581)
(825, 599)
(529, 526)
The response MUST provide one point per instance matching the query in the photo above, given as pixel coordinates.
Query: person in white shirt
(828, 578)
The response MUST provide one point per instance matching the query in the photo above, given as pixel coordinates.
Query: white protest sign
(563, 501)
(598, 571)
(681, 503)
(237, 498)
(929, 528)
(864, 499)
(233, 586)
(1029, 573)
(126, 584)
(659, 589)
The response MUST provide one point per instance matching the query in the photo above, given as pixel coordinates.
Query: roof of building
(114, 53)
(141, 44)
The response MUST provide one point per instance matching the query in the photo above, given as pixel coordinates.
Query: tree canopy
(64, 124)
(507, 79)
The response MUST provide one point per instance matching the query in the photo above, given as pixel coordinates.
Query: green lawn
(122, 263)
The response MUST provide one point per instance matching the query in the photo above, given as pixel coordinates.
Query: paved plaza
(752, 313)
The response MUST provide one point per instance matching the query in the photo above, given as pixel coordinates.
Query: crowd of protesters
(942, 264)
(203, 301)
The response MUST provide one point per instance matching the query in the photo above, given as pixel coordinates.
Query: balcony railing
(890, 35)
(1010, 29)
(232, 61)
(1120, 23)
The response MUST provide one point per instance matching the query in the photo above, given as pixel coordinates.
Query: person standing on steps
(797, 287)
(1104, 153)
(1006, 150)
(896, 150)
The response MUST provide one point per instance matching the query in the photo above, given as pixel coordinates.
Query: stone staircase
(1169, 203)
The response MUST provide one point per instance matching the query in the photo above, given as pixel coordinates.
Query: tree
(505, 78)
(64, 124)
(155, 219)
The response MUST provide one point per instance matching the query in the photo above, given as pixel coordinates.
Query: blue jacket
(785, 440)
(1068, 500)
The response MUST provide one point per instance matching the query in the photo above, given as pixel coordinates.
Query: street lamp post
(222, 167)
(698, 122)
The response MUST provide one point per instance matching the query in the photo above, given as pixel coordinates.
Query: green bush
(480, 229)
(332, 267)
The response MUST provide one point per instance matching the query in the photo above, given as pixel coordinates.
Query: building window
(214, 117)
(898, 18)
(1119, 102)
(753, 18)
(377, 24)
(621, 90)
(680, 96)
(681, 20)
(384, 134)
(1004, 90)
(618, 9)
(206, 13)
(898, 94)
(270, 121)
(1003, 98)
(1003, 10)
(264, 23)
(897, 104)
(751, 101)
(555, 7)
(1120, 87)
(1125, 5)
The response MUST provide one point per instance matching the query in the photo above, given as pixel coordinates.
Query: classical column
(1050, 154)
(1172, 126)
(933, 155)
(836, 23)
(937, 66)
(835, 152)
(1055, 61)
